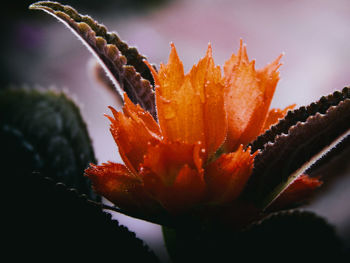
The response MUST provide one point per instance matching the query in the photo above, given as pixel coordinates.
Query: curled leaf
(123, 64)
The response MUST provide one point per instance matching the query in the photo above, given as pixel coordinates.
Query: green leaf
(296, 143)
(297, 235)
(123, 64)
(169, 236)
(47, 220)
(44, 131)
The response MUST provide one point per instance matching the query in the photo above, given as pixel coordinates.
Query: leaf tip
(37, 5)
(33, 6)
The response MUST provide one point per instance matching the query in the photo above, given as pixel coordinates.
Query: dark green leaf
(295, 235)
(169, 235)
(49, 220)
(44, 131)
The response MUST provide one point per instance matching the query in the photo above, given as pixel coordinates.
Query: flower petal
(178, 114)
(187, 190)
(115, 182)
(235, 60)
(136, 111)
(166, 159)
(274, 116)
(242, 93)
(194, 98)
(207, 83)
(267, 80)
(132, 131)
(248, 95)
(172, 172)
(227, 176)
(170, 77)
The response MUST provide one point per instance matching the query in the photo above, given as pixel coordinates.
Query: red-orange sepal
(132, 130)
(116, 183)
(172, 172)
(301, 189)
(227, 176)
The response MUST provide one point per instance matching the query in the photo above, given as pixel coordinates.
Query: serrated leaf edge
(107, 53)
(268, 137)
(278, 190)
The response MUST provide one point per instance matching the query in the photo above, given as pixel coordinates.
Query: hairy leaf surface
(296, 143)
(123, 64)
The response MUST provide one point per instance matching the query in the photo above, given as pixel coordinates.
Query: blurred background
(37, 51)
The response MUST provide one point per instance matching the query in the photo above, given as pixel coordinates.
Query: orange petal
(166, 159)
(137, 112)
(207, 83)
(178, 115)
(227, 176)
(171, 172)
(234, 61)
(115, 182)
(171, 76)
(168, 81)
(301, 189)
(248, 95)
(186, 191)
(132, 131)
(242, 95)
(191, 108)
(274, 116)
(268, 77)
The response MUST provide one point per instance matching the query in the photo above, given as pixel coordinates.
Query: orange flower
(197, 152)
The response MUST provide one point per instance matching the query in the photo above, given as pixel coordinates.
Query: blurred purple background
(314, 35)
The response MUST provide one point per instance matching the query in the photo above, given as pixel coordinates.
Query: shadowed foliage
(49, 220)
(296, 235)
(43, 131)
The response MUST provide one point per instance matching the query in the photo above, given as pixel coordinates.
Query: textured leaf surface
(44, 131)
(303, 137)
(123, 64)
(300, 115)
(297, 235)
(55, 221)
